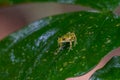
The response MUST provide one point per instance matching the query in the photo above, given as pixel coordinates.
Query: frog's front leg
(70, 48)
(60, 46)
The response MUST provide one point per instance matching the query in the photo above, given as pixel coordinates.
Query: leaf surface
(30, 54)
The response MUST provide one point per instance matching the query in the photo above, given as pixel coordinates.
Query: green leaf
(110, 72)
(31, 52)
(104, 5)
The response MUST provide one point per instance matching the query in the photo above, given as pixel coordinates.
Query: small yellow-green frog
(68, 37)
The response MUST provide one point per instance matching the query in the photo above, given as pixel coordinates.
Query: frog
(70, 38)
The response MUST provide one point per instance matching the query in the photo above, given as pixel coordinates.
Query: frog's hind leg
(75, 41)
(58, 49)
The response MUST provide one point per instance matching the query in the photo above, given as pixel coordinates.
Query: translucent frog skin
(68, 37)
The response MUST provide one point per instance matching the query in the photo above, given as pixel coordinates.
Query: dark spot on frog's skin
(63, 39)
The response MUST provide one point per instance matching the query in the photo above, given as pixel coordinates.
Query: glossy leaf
(110, 72)
(105, 5)
(30, 54)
